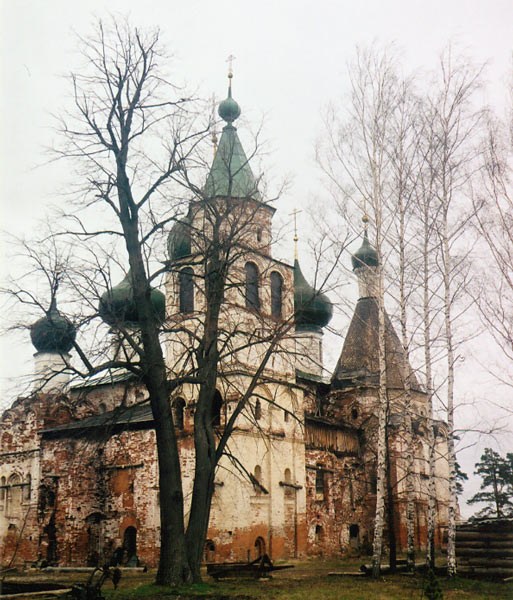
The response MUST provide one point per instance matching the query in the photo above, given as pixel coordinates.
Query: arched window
(27, 489)
(2, 489)
(209, 552)
(276, 294)
(217, 404)
(186, 283)
(13, 495)
(178, 412)
(288, 480)
(251, 292)
(258, 410)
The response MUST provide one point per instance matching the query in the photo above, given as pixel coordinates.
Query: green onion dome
(366, 255)
(117, 306)
(179, 241)
(229, 110)
(53, 332)
(312, 310)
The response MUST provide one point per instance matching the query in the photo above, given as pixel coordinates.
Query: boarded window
(186, 283)
(251, 292)
(276, 295)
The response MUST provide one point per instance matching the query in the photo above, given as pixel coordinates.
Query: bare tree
(358, 154)
(137, 146)
(453, 126)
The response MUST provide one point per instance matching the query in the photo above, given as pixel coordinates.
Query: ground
(308, 580)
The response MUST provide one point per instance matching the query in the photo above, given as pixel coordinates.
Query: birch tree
(454, 125)
(357, 154)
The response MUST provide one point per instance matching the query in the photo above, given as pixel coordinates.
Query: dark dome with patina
(229, 109)
(312, 310)
(179, 241)
(117, 306)
(366, 255)
(53, 332)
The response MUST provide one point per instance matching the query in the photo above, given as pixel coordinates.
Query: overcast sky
(291, 59)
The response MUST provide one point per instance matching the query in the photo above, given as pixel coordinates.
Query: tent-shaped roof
(359, 360)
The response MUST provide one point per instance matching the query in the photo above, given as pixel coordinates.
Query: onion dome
(53, 332)
(117, 306)
(179, 241)
(312, 310)
(366, 255)
(229, 109)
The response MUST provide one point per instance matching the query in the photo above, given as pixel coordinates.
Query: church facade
(78, 461)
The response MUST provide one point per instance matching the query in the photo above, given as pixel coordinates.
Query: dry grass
(308, 580)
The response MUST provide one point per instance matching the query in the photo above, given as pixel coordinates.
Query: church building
(78, 459)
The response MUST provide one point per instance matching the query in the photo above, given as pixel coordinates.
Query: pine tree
(432, 589)
(497, 475)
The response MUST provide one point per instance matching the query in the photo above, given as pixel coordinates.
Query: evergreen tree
(432, 589)
(497, 485)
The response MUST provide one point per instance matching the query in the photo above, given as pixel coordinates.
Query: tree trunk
(451, 525)
(430, 554)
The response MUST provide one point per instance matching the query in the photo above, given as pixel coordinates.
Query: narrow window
(259, 234)
(252, 299)
(2, 489)
(285, 415)
(178, 412)
(258, 410)
(186, 283)
(217, 404)
(288, 480)
(276, 294)
(27, 488)
(319, 483)
(258, 478)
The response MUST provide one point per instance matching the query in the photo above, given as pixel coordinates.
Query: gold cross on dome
(295, 212)
(230, 60)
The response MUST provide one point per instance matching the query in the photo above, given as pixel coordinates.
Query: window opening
(186, 283)
(258, 410)
(276, 295)
(27, 489)
(209, 551)
(217, 404)
(319, 483)
(258, 478)
(251, 292)
(178, 412)
(259, 547)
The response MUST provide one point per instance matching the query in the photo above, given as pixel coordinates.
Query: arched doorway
(354, 536)
(130, 546)
(259, 547)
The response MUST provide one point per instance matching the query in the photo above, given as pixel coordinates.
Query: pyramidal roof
(359, 360)
(230, 174)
